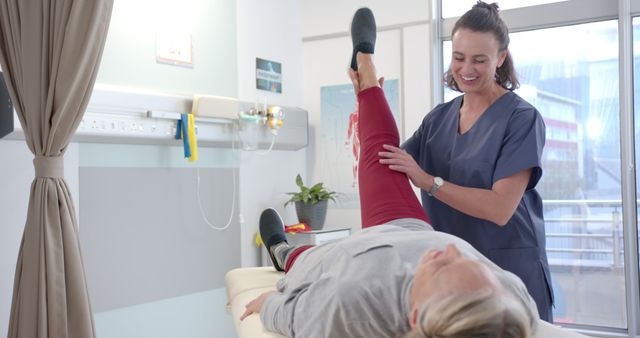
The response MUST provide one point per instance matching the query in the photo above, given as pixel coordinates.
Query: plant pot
(312, 214)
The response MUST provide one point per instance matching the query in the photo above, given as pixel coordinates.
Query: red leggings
(385, 195)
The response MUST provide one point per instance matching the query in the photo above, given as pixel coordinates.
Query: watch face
(438, 181)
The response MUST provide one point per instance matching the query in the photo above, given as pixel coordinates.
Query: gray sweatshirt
(359, 286)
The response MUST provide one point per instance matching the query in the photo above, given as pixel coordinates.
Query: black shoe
(363, 34)
(272, 232)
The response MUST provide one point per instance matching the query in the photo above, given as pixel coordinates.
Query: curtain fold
(50, 51)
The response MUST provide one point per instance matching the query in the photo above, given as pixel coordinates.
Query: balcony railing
(585, 233)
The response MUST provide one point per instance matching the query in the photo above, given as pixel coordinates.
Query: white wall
(315, 14)
(16, 175)
(129, 57)
(416, 76)
(402, 52)
(198, 315)
(268, 29)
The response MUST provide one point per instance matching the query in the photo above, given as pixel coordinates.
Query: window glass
(457, 8)
(570, 74)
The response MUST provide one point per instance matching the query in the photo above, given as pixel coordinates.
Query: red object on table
(295, 228)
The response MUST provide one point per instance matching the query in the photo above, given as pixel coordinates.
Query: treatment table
(245, 284)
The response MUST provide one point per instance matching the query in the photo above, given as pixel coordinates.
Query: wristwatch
(437, 183)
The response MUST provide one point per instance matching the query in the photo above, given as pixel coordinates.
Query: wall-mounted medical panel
(122, 116)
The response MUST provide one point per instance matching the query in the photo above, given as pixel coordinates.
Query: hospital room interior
(197, 115)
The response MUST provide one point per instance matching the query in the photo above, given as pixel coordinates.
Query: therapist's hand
(255, 305)
(399, 160)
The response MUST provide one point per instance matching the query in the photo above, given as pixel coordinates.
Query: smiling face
(474, 60)
(441, 273)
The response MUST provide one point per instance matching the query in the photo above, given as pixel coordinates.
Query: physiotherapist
(477, 158)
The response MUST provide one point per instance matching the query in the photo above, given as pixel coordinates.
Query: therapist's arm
(496, 204)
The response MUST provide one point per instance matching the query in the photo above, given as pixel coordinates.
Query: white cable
(233, 196)
(273, 141)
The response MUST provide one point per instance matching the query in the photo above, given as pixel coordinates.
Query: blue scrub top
(506, 139)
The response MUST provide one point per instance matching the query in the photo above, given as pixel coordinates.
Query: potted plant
(311, 203)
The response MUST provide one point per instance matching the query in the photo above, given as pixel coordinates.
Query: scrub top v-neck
(507, 138)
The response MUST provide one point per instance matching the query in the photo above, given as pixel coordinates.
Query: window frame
(567, 13)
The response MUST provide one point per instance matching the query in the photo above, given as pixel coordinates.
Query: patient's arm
(255, 305)
(327, 308)
(313, 309)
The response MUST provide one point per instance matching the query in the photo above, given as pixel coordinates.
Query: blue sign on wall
(268, 75)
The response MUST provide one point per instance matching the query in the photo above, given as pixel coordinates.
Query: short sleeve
(415, 144)
(522, 146)
(412, 145)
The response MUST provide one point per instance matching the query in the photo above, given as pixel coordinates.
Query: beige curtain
(49, 52)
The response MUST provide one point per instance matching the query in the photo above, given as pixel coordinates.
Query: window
(570, 74)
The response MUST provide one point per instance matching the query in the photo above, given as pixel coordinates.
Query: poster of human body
(338, 147)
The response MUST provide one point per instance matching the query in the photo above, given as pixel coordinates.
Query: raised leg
(385, 194)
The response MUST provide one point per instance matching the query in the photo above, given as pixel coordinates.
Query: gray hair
(485, 313)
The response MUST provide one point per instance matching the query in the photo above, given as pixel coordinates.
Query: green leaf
(313, 195)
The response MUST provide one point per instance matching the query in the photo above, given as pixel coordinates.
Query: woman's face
(444, 272)
(474, 60)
